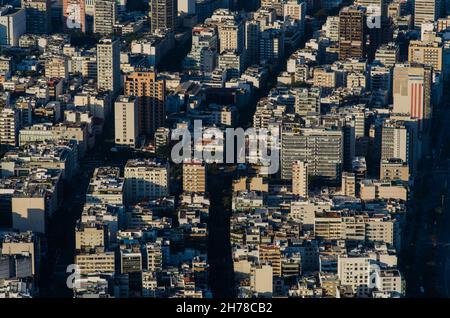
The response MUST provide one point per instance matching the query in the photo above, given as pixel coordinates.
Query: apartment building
(126, 122)
(194, 177)
(145, 180)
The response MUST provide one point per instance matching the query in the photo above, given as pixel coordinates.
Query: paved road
(60, 236)
(425, 254)
(219, 244)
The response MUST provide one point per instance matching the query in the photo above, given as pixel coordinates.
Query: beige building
(126, 118)
(108, 65)
(57, 67)
(261, 280)
(277, 5)
(145, 180)
(271, 254)
(300, 178)
(35, 201)
(382, 190)
(426, 11)
(105, 15)
(355, 272)
(231, 36)
(105, 187)
(46, 131)
(361, 227)
(9, 127)
(294, 9)
(89, 236)
(412, 91)
(348, 184)
(25, 245)
(324, 77)
(394, 170)
(305, 211)
(250, 184)
(427, 52)
(23, 220)
(194, 177)
(90, 263)
(388, 54)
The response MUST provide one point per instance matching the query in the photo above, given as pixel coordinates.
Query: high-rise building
(126, 121)
(145, 180)
(426, 11)
(261, 279)
(89, 13)
(252, 35)
(300, 178)
(150, 93)
(105, 15)
(9, 127)
(395, 142)
(74, 15)
(320, 147)
(427, 53)
(348, 184)
(325, 77)
(271, 46)
(412, 91)
(108, 65)
(355, 272)
(194, 177)
(332, 28)
(380, 84)
(12, 25)
(231, 30)
(163, 15)
(352, 33)
(38, 14)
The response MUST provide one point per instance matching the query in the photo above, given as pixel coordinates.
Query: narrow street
(425, 255)
(219, 245)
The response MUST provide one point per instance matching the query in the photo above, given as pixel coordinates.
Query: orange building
(150, 93)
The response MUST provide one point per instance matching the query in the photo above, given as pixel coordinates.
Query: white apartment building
(145, 179)
(108, 65)
(126, 115)
(9, 126)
